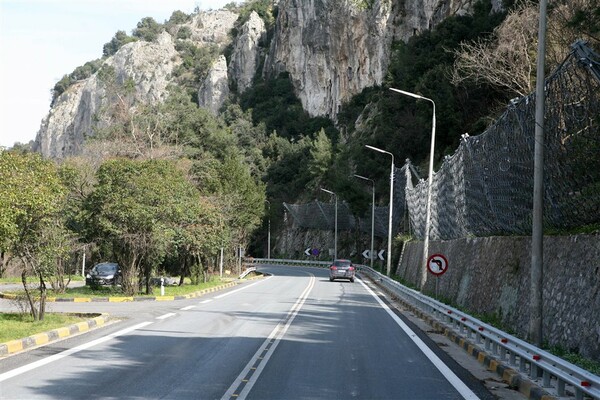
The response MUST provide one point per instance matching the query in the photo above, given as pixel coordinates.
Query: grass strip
(18, 326)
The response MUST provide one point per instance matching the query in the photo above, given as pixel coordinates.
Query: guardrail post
(522, 364)
(513, 358)
(578, 394)
(560, 387)
(533, 371)
(545, 378)
(487, 343)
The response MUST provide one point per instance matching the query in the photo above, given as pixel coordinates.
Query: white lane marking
(166, 316)
(242, 288)
(187, 308)
(276, 334)
(454, 380)
(66, 353)
(206, 301)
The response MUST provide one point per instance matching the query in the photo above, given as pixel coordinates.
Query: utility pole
(537, 234)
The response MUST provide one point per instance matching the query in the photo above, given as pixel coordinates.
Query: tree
(137, 208)
(321, 153)
(119, 40)
(147, 29)
(31, 199)
(239, 196)
(507, 60)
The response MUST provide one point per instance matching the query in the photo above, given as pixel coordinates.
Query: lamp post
(269, 230)
(391, 211)
(429, 185)
(335, 234)
(372, 215)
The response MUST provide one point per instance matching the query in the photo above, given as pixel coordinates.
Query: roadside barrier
(552, 373)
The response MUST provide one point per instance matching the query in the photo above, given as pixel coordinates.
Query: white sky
(42, 40)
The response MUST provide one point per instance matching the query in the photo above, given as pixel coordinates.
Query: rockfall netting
(486, 187)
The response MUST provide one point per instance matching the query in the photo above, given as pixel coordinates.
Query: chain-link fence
(486, 187)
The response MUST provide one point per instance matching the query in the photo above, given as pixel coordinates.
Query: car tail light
(333, 267)
(350, 268)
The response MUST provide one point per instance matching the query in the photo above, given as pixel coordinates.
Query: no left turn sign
(437, 264)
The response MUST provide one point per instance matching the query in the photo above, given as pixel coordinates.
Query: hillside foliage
(263, 145)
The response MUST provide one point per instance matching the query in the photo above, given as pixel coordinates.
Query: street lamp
(269, 231)
(335, 234)
(429, 186)
(372, 215)
(389, 249)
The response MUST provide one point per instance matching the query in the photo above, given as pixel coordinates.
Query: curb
(10, 296)
(508, 375)
(17, 345)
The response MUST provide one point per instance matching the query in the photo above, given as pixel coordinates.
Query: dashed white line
(166, 316)
(187, 308)
(242, 288)
(206, 301)
(66, 353)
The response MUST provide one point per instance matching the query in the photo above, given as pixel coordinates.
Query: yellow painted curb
(119, 299)
(40, 338)
(14, 345)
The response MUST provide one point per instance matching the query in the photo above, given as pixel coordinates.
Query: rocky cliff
(332, 50)
(76, 114)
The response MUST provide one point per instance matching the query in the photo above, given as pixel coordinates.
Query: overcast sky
(42, 40)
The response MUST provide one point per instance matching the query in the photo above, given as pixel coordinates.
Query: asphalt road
(293, 335)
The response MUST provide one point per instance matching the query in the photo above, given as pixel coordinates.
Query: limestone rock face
(76, 113)
(215, 88)
(148, 66)
(212, 27)
(246, 53)
(333, 49)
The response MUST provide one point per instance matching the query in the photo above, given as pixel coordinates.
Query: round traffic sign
(437, 264)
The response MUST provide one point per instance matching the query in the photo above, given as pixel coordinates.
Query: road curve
(293, 335)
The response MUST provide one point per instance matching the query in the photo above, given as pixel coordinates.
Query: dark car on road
(342, 269)
(105, 273)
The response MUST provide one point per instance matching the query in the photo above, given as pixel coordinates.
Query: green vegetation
(80, 73)
(573, 357)
(148, 29)
(17, 326)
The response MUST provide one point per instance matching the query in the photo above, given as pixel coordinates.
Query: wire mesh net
(486, 187)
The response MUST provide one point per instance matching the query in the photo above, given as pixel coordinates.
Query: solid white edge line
(242, 288)
(450, 376)
(277, 333)
(66, 353)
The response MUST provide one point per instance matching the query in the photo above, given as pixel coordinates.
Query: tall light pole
(335, 234)
(429, 185)
(269, 231)
(372, 215)
(391, 211)
(537, 232)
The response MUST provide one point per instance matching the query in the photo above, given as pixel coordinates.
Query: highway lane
(293, 335)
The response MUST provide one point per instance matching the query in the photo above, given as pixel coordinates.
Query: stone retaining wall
(492, 276)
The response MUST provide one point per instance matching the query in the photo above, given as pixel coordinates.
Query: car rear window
(342, 263)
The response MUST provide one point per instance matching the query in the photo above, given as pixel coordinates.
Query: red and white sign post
(437, 264)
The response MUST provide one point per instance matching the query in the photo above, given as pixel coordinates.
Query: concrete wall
(491, 276)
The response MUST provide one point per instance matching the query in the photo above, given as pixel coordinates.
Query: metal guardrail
(550, 371)
(306, 263)
(246, 272)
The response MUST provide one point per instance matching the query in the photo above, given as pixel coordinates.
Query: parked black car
(105, 273)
